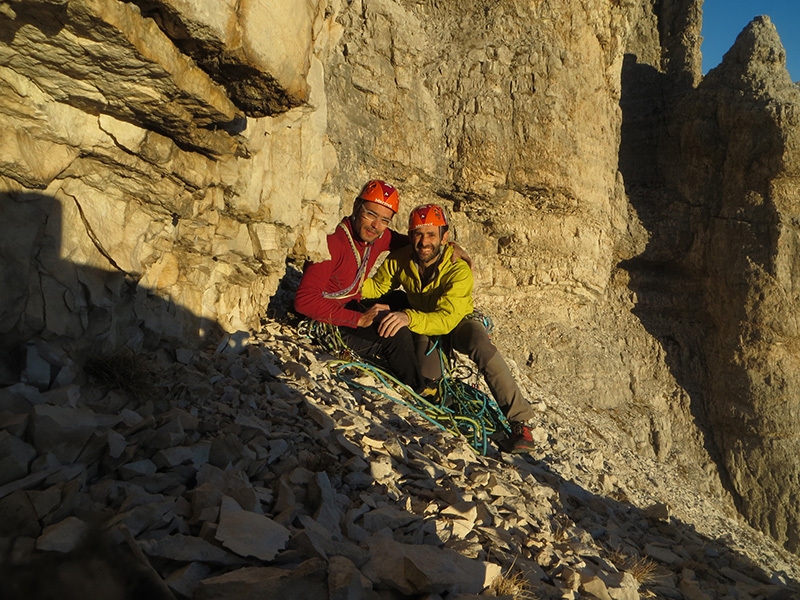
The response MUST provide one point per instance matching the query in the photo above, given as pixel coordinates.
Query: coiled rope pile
(458, 407)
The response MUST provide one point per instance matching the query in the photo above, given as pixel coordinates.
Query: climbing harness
(458, 407)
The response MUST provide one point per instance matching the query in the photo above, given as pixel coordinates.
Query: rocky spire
(756, 61)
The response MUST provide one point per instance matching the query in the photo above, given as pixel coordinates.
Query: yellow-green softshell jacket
(435, 309)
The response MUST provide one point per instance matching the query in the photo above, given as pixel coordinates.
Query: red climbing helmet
(381, 192)
(427, 214)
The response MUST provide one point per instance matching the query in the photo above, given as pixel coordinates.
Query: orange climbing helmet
(381, 192)
(427, 214)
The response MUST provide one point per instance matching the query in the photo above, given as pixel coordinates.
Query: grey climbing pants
(469, 337)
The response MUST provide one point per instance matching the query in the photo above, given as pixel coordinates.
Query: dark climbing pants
(469, 337)
(397, 352)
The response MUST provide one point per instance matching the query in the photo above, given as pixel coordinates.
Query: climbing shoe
(521, 438)
(431, 394)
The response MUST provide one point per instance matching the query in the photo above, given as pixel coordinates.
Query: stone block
(388, 517)
(249, 534)
(15, 457)
(184, 581)
(137, 468)
(62, 431)
(189, 549)
(345, 581)
(148, 516)
(196, 455)
(414, 569)
(307, 580)
(37, 371)
(45, 501)
(64, 536)
(19, 516)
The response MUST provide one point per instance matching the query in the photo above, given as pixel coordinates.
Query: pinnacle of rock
(756, 59)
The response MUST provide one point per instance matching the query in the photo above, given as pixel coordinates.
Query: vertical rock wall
(144, 197)
(633, 232)
(738, 138)
(510, 114)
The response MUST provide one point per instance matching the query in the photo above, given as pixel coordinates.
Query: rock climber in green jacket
(440, 297)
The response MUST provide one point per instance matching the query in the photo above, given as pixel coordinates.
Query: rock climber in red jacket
(329, 291)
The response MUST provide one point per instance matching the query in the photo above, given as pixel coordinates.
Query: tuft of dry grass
(561, 525)
(125, 371)
(512, 585)
(643, 569)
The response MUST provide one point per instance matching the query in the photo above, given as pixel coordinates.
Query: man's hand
(366, 318)
(392, 323)
(460, 254)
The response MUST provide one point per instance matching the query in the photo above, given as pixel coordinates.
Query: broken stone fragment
(662, 554)
(307, 580)
(380, 467)
(195, 455)
(323, 503)
(137, 468)
(187, 548)
(415, 569)
(388, 517)
(37, 371)
(140, 518)
(466, 511)
(45, 501)
(116, 444)
(249, 534)
(14, 424)
(185, 580)
(19, 516)
(314, 540)
(228, 450)
(62, 431)
(345, 581)
(659, 511)
(213, 483)
(15, 457)
(65, 536)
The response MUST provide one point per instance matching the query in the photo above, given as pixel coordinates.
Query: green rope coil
(461, 409)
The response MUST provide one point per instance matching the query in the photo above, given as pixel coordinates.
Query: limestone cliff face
(123, 160)
(737, 141)
(632, 227)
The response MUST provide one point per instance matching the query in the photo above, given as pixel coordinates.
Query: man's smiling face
(371, 221)
(427, 241)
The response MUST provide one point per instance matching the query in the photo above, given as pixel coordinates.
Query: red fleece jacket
(329, 277)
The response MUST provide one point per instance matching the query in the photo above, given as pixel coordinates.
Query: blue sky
(723, 20)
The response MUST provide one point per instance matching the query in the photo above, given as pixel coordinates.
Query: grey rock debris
(269, 484)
